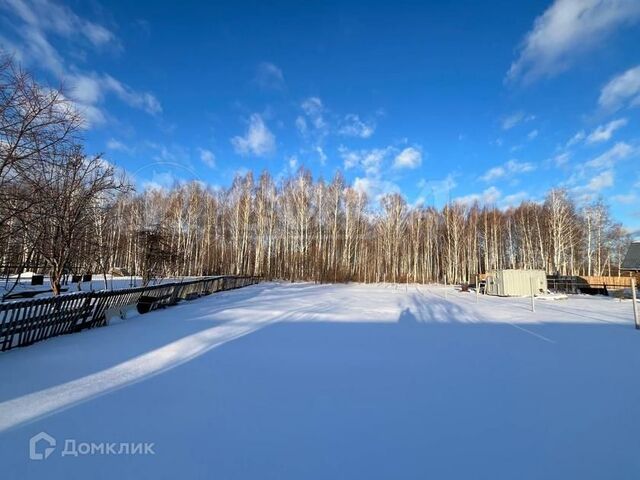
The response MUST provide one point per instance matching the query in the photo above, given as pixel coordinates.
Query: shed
(515, 283)
(631, 261)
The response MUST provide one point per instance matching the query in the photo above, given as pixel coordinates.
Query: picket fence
(25, 322)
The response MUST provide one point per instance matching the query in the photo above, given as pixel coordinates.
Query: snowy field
(302, 381)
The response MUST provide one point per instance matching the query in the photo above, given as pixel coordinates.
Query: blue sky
(497, 101)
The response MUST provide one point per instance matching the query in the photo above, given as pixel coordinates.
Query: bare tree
(68, 186)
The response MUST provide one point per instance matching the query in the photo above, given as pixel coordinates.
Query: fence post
(174, 293)
(635, 307)
(533, 297)
(477, 287)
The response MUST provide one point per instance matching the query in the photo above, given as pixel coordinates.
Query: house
(631, 261)
(515, 283)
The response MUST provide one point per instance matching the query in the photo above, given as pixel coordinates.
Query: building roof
(632, 259)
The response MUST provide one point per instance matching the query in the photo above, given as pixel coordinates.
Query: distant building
(631, 261)
(515, 283)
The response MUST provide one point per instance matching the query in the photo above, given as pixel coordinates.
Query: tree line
(62, 210)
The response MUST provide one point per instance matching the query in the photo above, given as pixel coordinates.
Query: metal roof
(632, 259)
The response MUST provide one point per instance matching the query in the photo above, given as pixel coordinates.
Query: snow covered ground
(303, 381)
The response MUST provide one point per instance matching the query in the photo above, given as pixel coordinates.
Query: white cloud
(561, 159)
(594, 185)
(321, 155)
(532, 134)
(350, 158)
(88, 92)
(493, 173)
(269, 76)
(92, 115)
(50, 17)
(514, 199)
(312, 126)
(374, 163)
(513, 166)
(437, 187)
(601, 181)
(314, 109)
(160, 181)
(605, 132)
(293, 162)
(258, 140)
(626, 199)
(410, 157)
(174, 155)
(86, 89)
(142, 100)
(369, 160)
(489, 196)
(516, 118)
(353, 126)
(374, 188)
(493, 196)
(569, 28)
(97, 34)
(301, 125)
(34, 21)
(621, 90)
(362, 185)
(577, 138)
(509, 169)
(619, 151)
(117, 145)
(207, 157)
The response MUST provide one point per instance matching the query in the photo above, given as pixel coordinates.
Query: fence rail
(24, 322)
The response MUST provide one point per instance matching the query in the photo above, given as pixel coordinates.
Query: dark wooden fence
(25, 322)
(587, 284)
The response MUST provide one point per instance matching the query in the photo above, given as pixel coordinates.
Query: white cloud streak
(619, 151)
(36, 21)
(118, 146)
(601, 181)
(621, 90)
(515, 119)
(509, 169)
(605, 132)
(567, 30)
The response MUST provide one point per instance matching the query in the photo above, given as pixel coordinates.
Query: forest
(65, 211)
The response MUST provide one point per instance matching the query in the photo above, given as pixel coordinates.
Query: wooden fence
(25, 322)
(587, 284)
